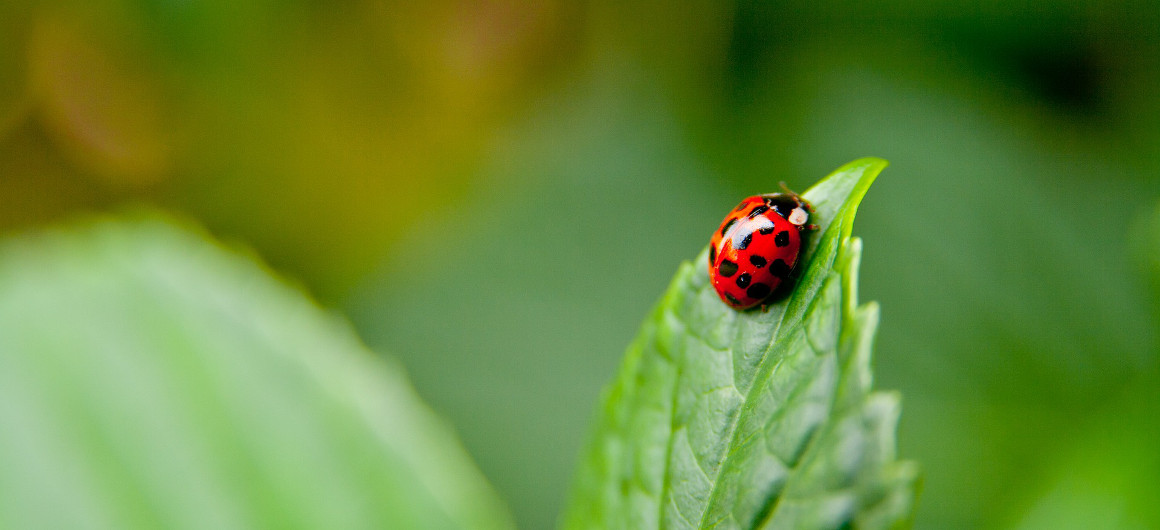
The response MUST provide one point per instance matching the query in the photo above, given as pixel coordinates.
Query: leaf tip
(866, 170)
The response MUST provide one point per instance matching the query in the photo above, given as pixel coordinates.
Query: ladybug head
(790, 206)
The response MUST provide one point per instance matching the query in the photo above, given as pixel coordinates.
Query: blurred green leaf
(149, 379)
(725, 419)
(1107, 477)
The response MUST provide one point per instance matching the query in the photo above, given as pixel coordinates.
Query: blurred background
(497, 191)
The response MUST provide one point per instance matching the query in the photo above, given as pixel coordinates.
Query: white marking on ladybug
(798, 216)
(746, 228)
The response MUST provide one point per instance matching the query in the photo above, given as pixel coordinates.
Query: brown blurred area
(312, 131)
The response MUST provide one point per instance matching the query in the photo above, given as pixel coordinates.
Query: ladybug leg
(764, 308)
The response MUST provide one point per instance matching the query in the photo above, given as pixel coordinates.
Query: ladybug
(757, 247)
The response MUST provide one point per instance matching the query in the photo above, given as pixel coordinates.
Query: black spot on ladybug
(766, 231)
(732, 300)
(758, 291)
(745, 242)
(742, 205)
(712, 254)
(728, 224)
(782, 238)
(728, 268)
(743, 280)
(779, 268)
(758, 211)
(757, 261)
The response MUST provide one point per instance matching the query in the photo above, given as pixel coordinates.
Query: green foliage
(721, 419)
(149, 379)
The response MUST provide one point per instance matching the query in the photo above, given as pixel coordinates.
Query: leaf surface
(726, 419)
(152, 379)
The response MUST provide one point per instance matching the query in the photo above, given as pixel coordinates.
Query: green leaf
(150, 379)
(726, 419)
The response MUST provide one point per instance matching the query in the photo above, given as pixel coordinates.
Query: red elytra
(757, 246)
